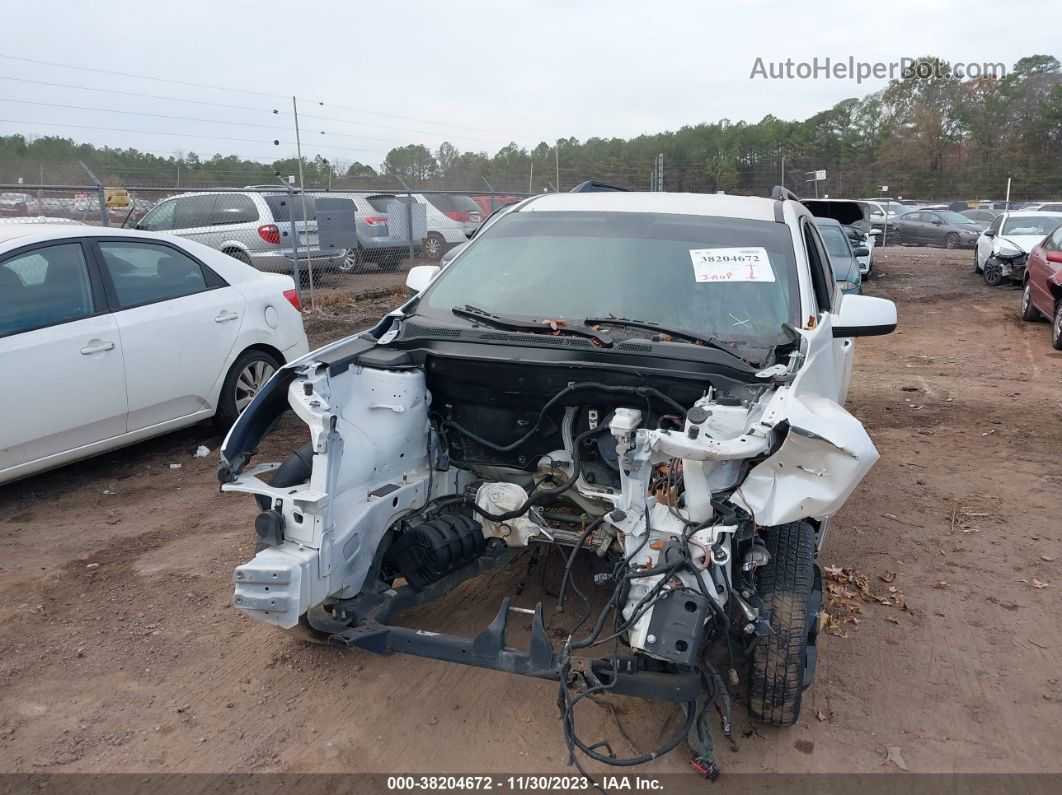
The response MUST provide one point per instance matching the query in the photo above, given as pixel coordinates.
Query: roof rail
(595, 186)
(780, 193)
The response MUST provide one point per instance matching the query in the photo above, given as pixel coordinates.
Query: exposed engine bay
(426, 468)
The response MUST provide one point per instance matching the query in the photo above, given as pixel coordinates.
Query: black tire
(1028, 312)
(1056, 327)
(228, 408)
(782, 664)
(977, 266)
(992, 273)
(951, 240)
(434, 246)
(239, 254)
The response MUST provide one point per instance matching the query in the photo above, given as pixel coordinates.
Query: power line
(180, 135)
(238, 91)
(230, 106)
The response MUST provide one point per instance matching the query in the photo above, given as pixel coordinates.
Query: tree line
(929, 135)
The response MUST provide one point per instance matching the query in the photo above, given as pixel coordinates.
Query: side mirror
(420, 277)
(449, 255)
(862, 251)
(1054, 256)
(865, 316)
(988, 233)
(875, 232)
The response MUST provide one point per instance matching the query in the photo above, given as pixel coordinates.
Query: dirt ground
(119, 650)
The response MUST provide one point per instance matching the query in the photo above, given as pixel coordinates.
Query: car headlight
(1006, 250)
(846, 286)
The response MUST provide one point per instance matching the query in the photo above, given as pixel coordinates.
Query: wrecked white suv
(650, 383)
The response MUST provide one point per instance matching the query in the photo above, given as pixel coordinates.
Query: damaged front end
(429, 465)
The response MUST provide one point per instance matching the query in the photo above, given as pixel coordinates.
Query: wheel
(1056, 327)
(1028, 311)
(951, 240)
(245, 378)
(434, 246)
(239, 254)
(782, 664)
(993, 273)
(352, 262)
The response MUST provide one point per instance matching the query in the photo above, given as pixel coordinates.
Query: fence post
(296, 271)
(409, 219)
(104, 220)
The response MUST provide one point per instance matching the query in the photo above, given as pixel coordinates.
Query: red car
(1042, 296)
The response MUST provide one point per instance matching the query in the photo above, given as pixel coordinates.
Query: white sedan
(110, 336)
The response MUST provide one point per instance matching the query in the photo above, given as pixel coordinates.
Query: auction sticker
(731, 265)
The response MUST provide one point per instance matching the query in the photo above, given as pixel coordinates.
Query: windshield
(953, 217)
(1031, 224)
(836, 242)
(732, 279)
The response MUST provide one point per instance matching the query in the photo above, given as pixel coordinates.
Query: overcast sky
(479, 74)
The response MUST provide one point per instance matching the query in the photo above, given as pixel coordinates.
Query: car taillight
(375, 220)
(269, 233)
(293, 298)
(458, 216)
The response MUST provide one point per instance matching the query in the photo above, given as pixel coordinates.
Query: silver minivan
(255, 228)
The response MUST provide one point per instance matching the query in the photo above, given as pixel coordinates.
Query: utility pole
(556, 154)
(660, 172)
(783, 171)
(302, 195)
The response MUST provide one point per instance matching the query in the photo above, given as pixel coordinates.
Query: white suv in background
(119, 335)
(452, 219)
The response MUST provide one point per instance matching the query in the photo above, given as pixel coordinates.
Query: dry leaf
(941, 584)
(820, 715)
(832, 571)
(892, 619)
(888, 576)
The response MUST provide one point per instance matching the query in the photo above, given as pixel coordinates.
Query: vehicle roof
(751, 207)
(1033, 213)
(45, 231)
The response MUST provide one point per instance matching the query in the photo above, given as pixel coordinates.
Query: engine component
(500, 498)
(430, 551)
(677, 626)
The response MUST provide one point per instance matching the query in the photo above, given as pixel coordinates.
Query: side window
(933, 218)
(1054, 242)
(821, 272)
(994, 228)
(143, 273)
(44, 287)
(233, 208)
(193, 211)
(159, 219)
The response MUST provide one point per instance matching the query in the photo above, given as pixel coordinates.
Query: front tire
(245, 378)
(977, 264)
(1056, 327)
(782, 664)
(993, 273)
(1029, 313)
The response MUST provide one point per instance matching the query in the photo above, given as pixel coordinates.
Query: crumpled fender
(824, 456)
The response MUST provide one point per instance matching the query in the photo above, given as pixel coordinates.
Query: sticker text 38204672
(731, 265)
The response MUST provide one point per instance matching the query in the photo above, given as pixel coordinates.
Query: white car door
(60, 356)
(986, 240)
(179, 321)
(833, 380)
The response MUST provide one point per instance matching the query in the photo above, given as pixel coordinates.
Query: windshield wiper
(676, 333)
(551, 327)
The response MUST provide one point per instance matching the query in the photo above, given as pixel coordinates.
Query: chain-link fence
(327, 240)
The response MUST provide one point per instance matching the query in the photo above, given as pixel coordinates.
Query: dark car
(935, 228)
(982, 215)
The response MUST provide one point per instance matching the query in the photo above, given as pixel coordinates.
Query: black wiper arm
(682, 334)
(550, 327)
